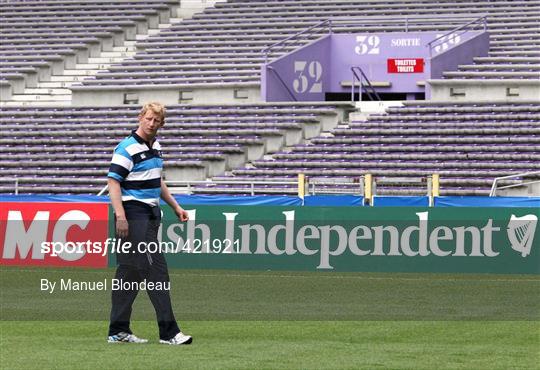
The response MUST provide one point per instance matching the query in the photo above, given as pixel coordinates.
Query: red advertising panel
(406, 65)
(54, 234)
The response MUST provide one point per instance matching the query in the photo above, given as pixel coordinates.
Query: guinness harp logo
(521, 233)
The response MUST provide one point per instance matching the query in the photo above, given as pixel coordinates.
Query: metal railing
(362, 185)
(457, 32)
(518, 177)
(403, 22)
(357, 187)
(270, 68)
(313, 187)
(252, 189)
(368, 88)
(326, 24)
(13, 180)
(291, 187)
(365, 186)
(329, 25)
(103, 190)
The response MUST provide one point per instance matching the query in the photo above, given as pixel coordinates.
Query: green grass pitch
(275, 320)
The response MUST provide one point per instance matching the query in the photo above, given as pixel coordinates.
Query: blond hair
(157, 108)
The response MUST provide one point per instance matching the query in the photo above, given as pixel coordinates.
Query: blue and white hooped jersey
(138, 169)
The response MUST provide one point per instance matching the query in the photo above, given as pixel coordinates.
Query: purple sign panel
(304, 74)
(393, 62)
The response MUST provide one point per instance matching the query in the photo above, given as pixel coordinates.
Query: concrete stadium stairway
(56, 91)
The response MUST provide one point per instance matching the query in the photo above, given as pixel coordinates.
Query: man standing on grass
(135, 189)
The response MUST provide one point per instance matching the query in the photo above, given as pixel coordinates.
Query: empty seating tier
(68, 150)
(223, 45)
(34, 33)
(468, 145)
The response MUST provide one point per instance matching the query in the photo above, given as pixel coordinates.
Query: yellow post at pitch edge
(368, 191)
(435, 185)
(301, 185)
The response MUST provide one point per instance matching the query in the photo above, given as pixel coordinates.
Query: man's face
(150, 123)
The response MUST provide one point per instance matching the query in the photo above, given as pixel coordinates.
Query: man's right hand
(122, 228)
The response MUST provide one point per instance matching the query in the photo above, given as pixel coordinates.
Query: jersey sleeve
(121, 164)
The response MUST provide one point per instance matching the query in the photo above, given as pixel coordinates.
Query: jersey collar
(140, 140)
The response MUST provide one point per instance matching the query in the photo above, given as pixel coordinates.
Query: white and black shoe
(178, 339)
(124, 337)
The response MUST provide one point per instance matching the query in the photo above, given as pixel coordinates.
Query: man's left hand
(181, 214)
